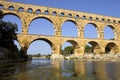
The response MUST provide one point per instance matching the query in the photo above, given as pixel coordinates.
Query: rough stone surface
(27, 13)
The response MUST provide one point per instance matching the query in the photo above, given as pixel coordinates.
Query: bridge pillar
(79, 50)
(99, 50)
(57, 33)
(56, 53)
(81, 34)
(100, 35)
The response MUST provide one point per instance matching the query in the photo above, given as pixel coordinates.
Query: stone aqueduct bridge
(27, 13)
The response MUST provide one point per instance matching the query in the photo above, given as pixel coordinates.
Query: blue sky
(103, 7)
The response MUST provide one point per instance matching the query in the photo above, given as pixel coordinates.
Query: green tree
(7, 37)
(88, 49)
(68, 50)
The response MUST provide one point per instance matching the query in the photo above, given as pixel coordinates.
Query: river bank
(94, 57)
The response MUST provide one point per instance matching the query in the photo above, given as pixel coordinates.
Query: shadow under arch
(92, 47)
(109, 32)
(91, 30)
(72, 29)
(111, 47)
(16, 19)
(45, 24)
(50, 43)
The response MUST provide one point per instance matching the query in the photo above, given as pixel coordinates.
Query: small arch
(46, 12)
(108, 20)
(83, 17)
(111, 48)
(1, 6)
(30, 10)
(54, 13)
(69, 15)
(77, 16)
(114, 21)
(62, 14)
(118, 21)
(38, 11)
(97, 18)
(11, 8)
(92, 47)
(20, 9)
(90, 18)
(103, 19)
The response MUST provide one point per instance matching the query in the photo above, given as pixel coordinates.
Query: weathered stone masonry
(27, 13)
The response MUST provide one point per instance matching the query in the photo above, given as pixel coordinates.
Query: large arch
(11, 17)
(69, 28)
(109, 32)
(72, 43)
(42, 45)
(94, 47)
(41, 25)
(90, 30)
(111, 48)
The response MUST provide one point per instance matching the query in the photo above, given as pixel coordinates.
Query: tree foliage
(67, 50)
(88, 49)
(7, 37)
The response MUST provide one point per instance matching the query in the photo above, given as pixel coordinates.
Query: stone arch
(29, 10)
(91, 32)
(19, 23)
(49, 20)
(11, 8)
(94, 47)
(51, 44)
(20, 9)
(75, 30)
(111, 30)
(38, 11)
(111, 47)
(74, 44)
(54, 13)
(46, 12)
(1, 6)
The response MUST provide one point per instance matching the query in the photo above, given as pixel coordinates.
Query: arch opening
(69, 47)
(30, 10)
(90, 31)
(1, 6)
(11, 8)
(69, 29)
(40, 47)
(9, 17)
(92, 47)
(21, 9)
(111, 48)
(54, 13)
(46, 12)
(41, 26)
(38, 11)
(109, 32)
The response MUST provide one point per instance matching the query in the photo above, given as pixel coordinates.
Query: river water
(60, 70)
